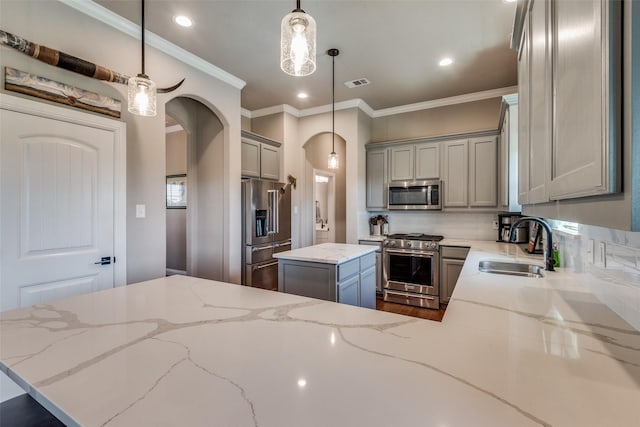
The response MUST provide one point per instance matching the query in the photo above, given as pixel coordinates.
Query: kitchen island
(511, 351)
(330, 271)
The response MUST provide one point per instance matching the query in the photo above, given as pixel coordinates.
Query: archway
(204, 187)
(317, 150)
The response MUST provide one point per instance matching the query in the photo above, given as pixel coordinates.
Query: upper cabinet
(587, 81)
(415, 162)
(470, 177)
(377, 179)
(569, 100)
(427, 161)
(483, 176)
(260, 157)
(467, 167)
(455, 179)
(508, 155)
(401, 159)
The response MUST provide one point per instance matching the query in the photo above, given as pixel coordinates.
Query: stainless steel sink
(511, 268)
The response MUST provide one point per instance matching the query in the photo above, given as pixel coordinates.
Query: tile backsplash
(613, 256)
(452, 225)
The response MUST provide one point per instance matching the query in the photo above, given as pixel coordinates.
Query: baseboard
(173, 271)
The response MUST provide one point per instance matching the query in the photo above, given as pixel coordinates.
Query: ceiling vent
(357, 83)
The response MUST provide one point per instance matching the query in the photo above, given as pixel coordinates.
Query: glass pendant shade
(334, 161)
(298, 44)
(142, 96)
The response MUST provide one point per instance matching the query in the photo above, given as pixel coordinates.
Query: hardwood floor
(407, 310)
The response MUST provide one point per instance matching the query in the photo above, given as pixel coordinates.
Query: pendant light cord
(143, 37)
(333, 105)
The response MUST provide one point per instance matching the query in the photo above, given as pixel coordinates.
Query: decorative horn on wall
(69, 62)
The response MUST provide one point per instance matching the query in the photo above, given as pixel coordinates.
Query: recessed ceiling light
(508, 1)
(303, 95)
(183, 21)
(445, 61)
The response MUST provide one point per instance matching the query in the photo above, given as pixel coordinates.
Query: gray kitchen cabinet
(483, 164)
(367, 290)
(351, 282)
(401, 162)
(540, 97)
(524, 90)
(378, 271)
(250, 152)
(569, 100)
(348, 292)
(470, 172)
(415, 162)
(376, 179)
(586, 77)
(455, 179)
(260, 157)
(269, 162)
(470, 177)
(508, 155)
(451, 262)
(427, 161)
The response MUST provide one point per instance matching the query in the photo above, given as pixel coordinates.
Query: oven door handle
(260, 267)
(421, 254)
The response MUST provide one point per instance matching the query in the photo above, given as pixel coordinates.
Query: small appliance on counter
(379, 225)
(505, 219)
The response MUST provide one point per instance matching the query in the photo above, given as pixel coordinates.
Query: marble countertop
(327, 253)
(184, 351)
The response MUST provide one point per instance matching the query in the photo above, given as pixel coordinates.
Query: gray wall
(452, 119)
(177, 218)
(74, 32)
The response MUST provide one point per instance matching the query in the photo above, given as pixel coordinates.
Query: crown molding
(286, 108)
(506, 92)
(127, 27)
(459, 99)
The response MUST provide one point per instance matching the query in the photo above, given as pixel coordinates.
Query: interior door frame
(41, 109)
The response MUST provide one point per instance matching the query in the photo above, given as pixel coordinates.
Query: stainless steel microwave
(418, 195)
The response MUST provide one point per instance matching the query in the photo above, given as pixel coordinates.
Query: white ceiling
(394, 44)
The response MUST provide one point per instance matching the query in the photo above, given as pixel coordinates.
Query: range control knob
(391, 243)
(408, 244)
(433, 245)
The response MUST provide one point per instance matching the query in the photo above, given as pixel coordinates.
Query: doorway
(203, 182)
(324, 191)
(176, 208)
(334, 213)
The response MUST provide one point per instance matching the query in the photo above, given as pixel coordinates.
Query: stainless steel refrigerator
(266, 229)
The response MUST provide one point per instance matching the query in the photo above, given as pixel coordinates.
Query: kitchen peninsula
(330, 271)
(510, 351)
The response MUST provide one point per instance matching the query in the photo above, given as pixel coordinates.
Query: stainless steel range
(410, 269)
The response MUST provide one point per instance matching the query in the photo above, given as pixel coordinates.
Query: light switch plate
(495, 225)
(141, 211)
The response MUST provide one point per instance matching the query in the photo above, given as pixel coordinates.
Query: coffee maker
(505, 219)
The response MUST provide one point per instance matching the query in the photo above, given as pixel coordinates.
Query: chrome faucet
(548, 249)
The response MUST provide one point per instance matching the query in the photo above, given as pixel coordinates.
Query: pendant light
(298, 43)
(142, 90)
(333, 162)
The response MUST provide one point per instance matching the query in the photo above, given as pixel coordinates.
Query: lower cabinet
(348, 292)
(352, 282)
(451, 262)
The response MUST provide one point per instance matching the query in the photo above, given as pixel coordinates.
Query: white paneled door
(57, 199)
